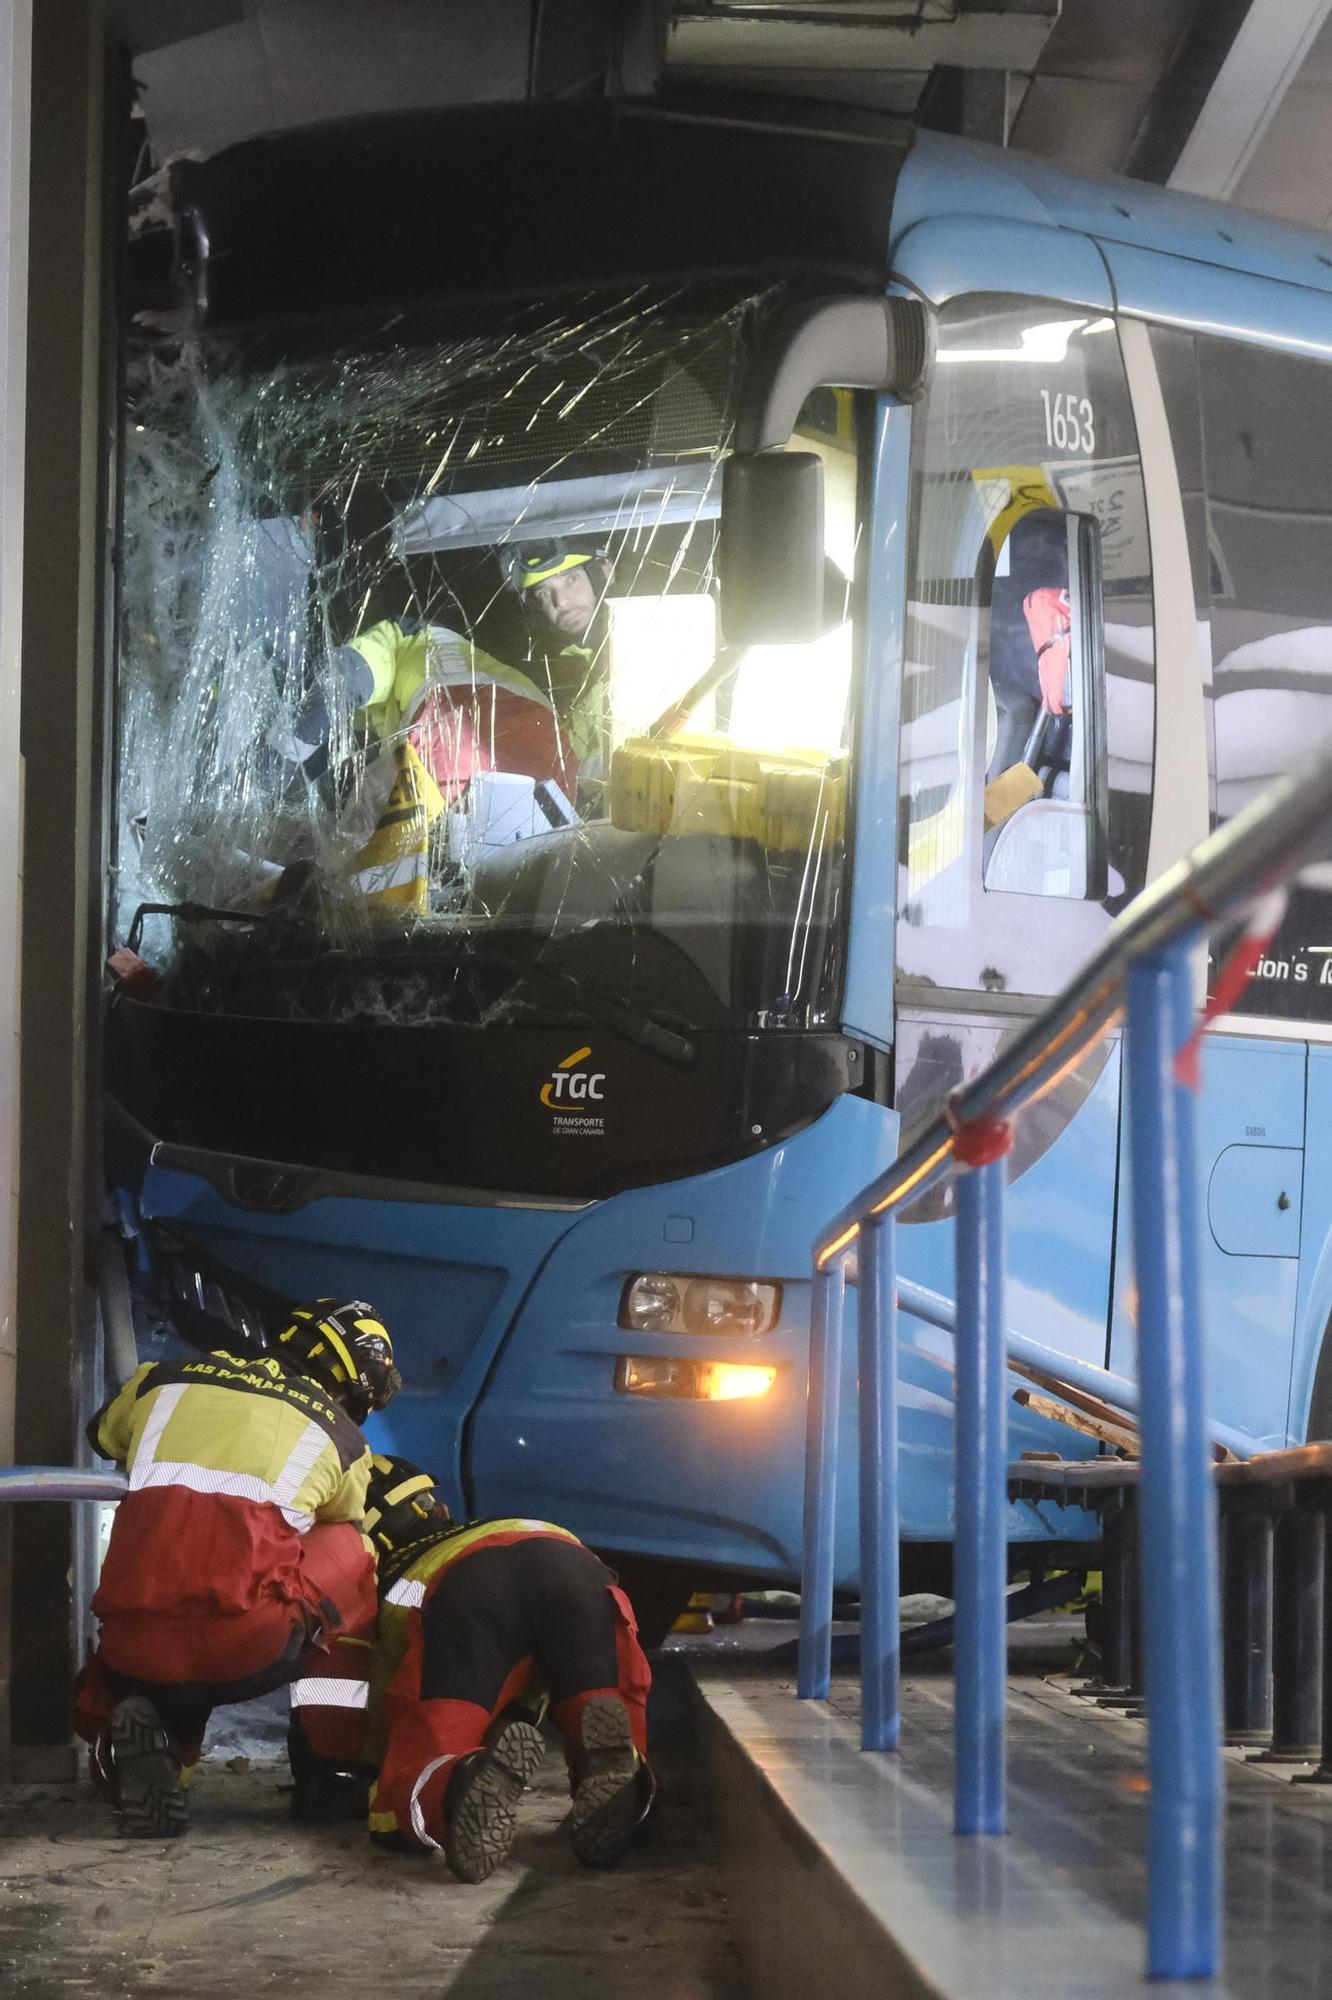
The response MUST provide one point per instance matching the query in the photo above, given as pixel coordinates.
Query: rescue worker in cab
(462, 711)
(237, 1561)
(1031, 632)
(481, 1624)
(563, 590)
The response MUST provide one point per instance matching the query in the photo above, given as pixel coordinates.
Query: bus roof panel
(955, 177)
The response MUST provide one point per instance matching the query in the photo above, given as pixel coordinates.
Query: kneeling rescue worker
(237, 1561)
(480, 1624)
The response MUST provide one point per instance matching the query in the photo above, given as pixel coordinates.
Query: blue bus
(525, 926)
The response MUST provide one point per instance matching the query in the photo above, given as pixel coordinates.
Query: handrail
(60, 1482)
(1285, 828)
(1144, 969)
(1117, 1390)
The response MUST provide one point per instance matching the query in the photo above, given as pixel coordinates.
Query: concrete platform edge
(800, 1925)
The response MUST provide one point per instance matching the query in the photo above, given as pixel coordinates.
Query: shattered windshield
(424, 712)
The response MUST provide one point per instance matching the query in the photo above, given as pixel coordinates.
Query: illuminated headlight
(697, 1381)
(661, 1302)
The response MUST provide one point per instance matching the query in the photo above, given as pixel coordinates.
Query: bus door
(1025, 762)
(1250, 1125)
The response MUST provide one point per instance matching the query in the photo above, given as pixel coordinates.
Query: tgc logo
(570, 1085)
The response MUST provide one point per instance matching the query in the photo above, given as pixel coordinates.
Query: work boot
(100, 1768)
(329, 1798)
(149, 1793)
(481, 1807)
(613, 1787)
(324, 1793)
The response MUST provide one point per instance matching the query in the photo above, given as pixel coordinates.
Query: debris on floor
(249, 1903)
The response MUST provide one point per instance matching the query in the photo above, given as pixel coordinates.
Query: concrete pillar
(15, 98)
(62, 902)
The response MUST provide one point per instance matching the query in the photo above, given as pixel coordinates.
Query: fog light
(694, 1381)
(728, 1381)
(653, 1375)
(669, 1302)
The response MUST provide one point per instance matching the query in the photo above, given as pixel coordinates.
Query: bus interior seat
(1014, 716)
(1041, 850)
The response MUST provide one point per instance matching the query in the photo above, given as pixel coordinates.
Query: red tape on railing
(1263, 925)
(980, 1142)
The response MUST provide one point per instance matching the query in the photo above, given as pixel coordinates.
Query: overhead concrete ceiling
(872, 54)
(1264, 138)
(1227, 97)
(214, 71)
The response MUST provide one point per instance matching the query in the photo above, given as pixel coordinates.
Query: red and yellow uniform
(473, 1618)
(237, 1560)
(462, 711)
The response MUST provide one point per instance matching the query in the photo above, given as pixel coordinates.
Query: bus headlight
(653, 1303)
(667, 1302)
(694, 1381)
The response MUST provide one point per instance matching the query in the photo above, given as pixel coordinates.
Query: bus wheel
(658, 1591)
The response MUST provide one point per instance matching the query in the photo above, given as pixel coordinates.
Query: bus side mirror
(771, 546)
(771, 549)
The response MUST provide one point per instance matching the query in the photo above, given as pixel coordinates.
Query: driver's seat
(1041, 850)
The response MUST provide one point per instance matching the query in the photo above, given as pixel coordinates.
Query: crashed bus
(641, 665)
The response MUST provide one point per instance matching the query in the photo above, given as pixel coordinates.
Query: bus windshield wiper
(630, 1022)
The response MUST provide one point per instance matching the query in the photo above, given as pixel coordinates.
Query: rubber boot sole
(148, 1788)
(482, 1806)
(607, 1802)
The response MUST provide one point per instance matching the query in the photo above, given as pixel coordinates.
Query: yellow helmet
(527, 564)
(401, 1504)
(345, 1345)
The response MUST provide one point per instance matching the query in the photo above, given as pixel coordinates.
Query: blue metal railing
(1144, 967)
(59, 1482)
(1103, 1383)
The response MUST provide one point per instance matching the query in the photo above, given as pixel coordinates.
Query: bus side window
(1045, 807)
(1027, 508)
(1266, 419)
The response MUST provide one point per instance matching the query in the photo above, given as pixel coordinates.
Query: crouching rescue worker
(482, 1624)
(237, 1561)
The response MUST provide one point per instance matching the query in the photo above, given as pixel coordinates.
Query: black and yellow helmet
(401, 1504)
(345, 1345)
(527, 564)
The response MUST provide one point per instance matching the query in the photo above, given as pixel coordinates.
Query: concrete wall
(58, 736)
(15, 73)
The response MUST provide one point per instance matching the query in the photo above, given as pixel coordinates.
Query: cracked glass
(424, 713)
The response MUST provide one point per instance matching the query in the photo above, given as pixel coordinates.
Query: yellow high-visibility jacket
(402, 663)
(231, 1462)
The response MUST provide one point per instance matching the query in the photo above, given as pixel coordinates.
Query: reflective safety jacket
(462, 710)
(231, 1462)
(403, 1593)
(417, 1739)
(585, 712)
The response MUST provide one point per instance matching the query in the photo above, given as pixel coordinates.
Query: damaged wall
(61, 919)
(15, 68)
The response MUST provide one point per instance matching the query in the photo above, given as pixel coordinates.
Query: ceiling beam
(1263, 62)
(865, 38)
